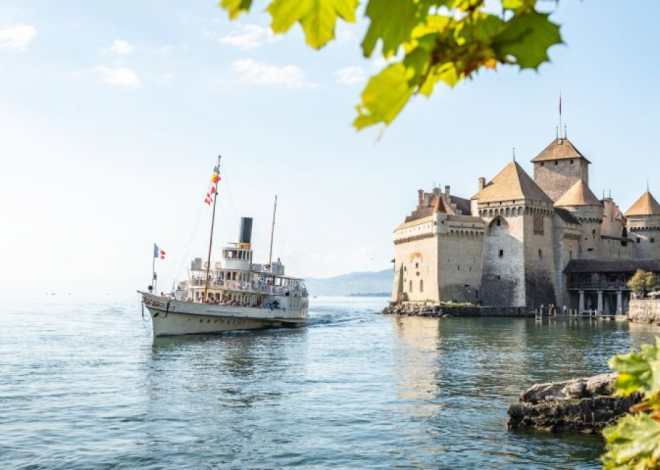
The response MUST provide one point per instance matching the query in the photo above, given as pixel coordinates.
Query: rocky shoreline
(455, 310)
(584, 405)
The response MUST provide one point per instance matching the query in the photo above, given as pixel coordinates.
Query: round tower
(588, 210)
(643, 224)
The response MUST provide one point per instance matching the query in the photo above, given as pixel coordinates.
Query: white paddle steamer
(233, 294)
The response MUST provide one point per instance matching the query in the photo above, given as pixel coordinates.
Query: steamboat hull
(175, 318)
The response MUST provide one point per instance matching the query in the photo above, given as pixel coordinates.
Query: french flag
(158, 253)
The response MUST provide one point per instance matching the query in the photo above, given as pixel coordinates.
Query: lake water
(85, 386)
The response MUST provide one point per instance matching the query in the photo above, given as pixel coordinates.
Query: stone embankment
(443, 311)
(644, 311)
(583, 405)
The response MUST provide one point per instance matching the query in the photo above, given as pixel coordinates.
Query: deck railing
(250, 287)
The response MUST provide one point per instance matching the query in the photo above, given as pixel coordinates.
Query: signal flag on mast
(215, 180)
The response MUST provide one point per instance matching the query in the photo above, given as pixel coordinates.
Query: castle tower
(588, 210)
(643, 223)
(518, 265)
(559, 166)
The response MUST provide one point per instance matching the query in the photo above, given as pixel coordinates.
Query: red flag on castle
(215, 180)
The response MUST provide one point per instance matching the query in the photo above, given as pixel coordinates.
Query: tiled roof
(510, 184)
(611, 266)
(559, 149)
(578, 195)
(645, 205)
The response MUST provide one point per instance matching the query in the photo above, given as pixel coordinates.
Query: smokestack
(245, 235)
(482, 183)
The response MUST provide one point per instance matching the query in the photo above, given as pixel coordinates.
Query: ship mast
(272, 234)
(208, 259)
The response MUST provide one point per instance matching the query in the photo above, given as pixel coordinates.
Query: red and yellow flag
(213, 190)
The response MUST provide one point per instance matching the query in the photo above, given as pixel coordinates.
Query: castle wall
(538, 258)
(556, 177)
(616, 248)
(565, 247)
(503, 274)
(460, 266)
(646, 233)
(612, 224)
(416, 261)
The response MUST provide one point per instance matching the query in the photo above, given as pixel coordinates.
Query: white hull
(171, 317)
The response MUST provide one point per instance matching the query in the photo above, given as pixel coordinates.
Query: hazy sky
(112, 114)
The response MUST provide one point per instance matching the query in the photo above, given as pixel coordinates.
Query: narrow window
(571, 162)
(540, 253)
(410, 286)
(556, 162)
(499, 222)
(421, 285)
(652, 240)
(501, 254)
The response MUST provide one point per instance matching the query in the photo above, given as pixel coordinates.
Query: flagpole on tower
(560, 128)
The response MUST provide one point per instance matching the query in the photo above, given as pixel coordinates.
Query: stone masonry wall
(503, 276)
(556, 179)
(460, 267)
(539, 263)
(644, 311)
(418, 262)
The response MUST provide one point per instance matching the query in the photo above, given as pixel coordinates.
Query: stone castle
(527, 242)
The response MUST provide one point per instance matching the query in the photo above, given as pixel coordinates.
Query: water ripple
(85, 386)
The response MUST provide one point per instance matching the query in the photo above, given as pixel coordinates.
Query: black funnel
(246, 230)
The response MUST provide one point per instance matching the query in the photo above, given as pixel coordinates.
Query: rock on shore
(584, 405)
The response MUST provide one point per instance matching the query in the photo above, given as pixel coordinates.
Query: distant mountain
(368, 283)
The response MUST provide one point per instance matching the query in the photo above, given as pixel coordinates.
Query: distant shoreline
(373, 294)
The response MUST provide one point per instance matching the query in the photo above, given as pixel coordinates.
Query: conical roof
(645, 205)
(578, 195)
(559, 149)
(439, 205)
(512, 183)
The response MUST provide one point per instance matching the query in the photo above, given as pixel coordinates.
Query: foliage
(643, 282)
(634, 440)
(424, 41)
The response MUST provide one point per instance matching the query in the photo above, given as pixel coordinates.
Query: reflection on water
(85, 386)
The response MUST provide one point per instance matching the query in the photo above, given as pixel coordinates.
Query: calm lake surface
(85, 386)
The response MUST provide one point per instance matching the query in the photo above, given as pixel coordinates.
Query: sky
(112, 115)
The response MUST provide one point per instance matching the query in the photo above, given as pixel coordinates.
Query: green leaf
(633, 442)
(518, 5)
(392, 22)
(318, 18)
(527, 38)
(384, 96)
(638, 372)
(235, 7)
